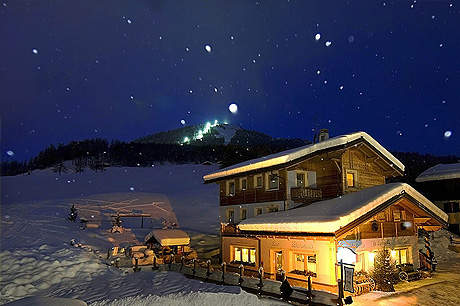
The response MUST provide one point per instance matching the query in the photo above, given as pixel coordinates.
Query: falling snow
(318, 36)
(328, 43)
(208, 48)
(34, 51)
(233, 108)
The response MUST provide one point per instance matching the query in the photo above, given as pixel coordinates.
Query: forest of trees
(98, 154)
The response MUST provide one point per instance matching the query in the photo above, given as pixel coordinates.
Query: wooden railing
(253, 196)
(302, 194)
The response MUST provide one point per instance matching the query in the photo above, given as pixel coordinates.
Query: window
(351, 178)
(272, 209)
(244, 184)
(273, 181)
(244, 255)
(400, 256)
(231, 216)
(259, 181)
(244, 213)
(231, 188)
(451, 207)
(258, 211)
(304, 265)
(300, 180)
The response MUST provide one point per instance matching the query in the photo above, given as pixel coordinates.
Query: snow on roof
(169, 237)
(440, 172)
(330, 215)
(293, 154)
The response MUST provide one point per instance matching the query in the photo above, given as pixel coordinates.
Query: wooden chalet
(441, 184)
(299, 210)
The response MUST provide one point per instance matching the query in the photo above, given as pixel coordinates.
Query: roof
(330, 215)
(169, 237)
(440, 172)
(285, 157)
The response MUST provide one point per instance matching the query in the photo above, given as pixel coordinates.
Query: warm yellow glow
(350, 179)
(393, 253)
(346, 255)
(371, 257)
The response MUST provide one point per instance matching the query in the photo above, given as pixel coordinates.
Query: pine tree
(73, 214)
(385, 272)
(59, 167)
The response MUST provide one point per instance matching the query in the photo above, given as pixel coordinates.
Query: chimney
(323, 135)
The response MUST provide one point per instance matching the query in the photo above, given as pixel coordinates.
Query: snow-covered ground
(36, 257)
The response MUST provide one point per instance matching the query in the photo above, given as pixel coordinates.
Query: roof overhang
(280, 160)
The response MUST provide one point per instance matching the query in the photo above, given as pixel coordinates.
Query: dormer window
(258, 181)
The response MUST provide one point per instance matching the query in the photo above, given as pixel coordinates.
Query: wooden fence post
(224, 270)
(261, 277)
(208, 269)
(194, 268)
(241, 280)
(171, 260)
(182, 262)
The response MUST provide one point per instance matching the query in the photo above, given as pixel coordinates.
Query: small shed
(167, 237)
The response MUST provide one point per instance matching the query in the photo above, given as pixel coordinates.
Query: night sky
(71, 70)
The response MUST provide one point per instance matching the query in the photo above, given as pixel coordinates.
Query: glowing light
(208, 48)
(318, 36)
(447, 134)
(186, 139)
(393, 253)
(346, 255)
(233, 108)
(371, 257)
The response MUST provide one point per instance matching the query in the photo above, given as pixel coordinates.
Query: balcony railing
(253, 196)
(305, 194)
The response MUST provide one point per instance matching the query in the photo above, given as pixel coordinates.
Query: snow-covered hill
(36, 257)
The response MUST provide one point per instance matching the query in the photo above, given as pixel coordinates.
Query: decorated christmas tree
(385, 272)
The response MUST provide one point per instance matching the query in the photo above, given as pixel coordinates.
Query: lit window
(400, 256)
(272, 209)
(305, 265)
(273, 181)
(396, 215)
(244, 255)
(258, 211)
(351, 179)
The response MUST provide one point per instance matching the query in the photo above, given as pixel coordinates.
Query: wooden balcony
(306, 194)
(253, 196)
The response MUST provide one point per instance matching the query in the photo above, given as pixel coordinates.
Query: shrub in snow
(73, 214)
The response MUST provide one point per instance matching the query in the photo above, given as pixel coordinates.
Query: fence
(261, 286)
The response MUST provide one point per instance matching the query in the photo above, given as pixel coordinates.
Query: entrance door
(279, 264)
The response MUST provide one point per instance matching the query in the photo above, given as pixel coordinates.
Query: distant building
(300, 210)
(441, 184)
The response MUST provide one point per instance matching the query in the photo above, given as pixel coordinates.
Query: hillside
(218, 134)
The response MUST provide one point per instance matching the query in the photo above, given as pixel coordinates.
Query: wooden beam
(421, 220)
(430, 228)
(336, 163)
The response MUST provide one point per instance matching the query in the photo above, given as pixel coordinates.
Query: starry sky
(71, 70)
